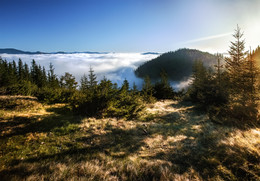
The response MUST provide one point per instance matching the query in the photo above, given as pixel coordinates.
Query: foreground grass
(171, 141)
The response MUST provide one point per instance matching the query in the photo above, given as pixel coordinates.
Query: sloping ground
(171, 141)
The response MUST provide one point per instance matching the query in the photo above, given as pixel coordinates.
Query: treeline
(22, 79)
(230, 91)
(89, 97)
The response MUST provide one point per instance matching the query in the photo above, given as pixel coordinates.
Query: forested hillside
(177, 64)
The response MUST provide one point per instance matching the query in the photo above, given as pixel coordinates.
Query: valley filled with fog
(115, 66)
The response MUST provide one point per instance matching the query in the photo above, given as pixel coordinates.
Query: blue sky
(126, 25)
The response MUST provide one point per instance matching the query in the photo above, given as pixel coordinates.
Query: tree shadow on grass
(21, 125)
(116, 143)
(201, 148)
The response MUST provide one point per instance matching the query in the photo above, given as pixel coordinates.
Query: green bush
(49, 95)
(107, 101)
(124, 106)
(23, 88)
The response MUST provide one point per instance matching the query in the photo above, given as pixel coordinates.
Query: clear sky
(126, 25)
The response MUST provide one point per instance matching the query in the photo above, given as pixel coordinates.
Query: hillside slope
(172, 141)
(178, 64)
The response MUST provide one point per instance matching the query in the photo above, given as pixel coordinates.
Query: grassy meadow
(171, 140)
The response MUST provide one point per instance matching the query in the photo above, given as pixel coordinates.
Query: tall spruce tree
(52, 78)
(84, 83)
(34, 68)
(26, 72)
(20, 70)
(242, 77)
(92, 82)
(235, 65)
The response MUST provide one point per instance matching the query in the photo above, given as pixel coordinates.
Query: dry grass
(171, 141)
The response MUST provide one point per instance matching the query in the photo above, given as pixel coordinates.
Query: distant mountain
(150, 53)
(15, 51)
(177, 64)
(61, 52)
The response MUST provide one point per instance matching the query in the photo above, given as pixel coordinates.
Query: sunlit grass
(171, 141)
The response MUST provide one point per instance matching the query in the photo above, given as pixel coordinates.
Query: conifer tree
(4, 73)
(44, 77)
(162, 89)
(84, 83)
(92, 83)
(52, 78)
(68, 81)
(11, 74)
(242, 77)
(26, 72)
(125, 86)
(34, 71)
(134, 89)
(147, 89)
(235, 65)
(200, 77)
(20, 70)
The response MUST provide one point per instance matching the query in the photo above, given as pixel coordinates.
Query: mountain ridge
(177, 64)
(16, 51)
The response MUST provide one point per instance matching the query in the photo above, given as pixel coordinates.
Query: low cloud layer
(115, 66)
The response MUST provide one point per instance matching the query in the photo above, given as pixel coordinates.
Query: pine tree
(235, 65)
(147, 90)
(84, 83)
(11, 74)
(242, 75)
(134, 89)
(125, 86)
(33, 71)
(20, 70)
(162, 89)
(26, 72)
(92, 83)
(68, 81)
(219, 69)
(44, 77)
(52, 78)
(200, 80)
(4, 74)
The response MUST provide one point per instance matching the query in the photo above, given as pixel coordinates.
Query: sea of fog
(115, 66)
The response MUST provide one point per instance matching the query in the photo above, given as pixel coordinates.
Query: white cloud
(208, 38)
(182, 84)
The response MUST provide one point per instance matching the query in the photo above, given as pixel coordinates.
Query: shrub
(107, 102)
(23, 88)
